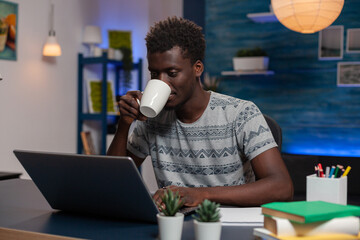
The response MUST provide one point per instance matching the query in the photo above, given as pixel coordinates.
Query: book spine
(84, 139)
(284, 227)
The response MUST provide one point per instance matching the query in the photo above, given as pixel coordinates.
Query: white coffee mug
(154, 98)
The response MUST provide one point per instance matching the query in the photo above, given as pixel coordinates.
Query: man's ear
(199, 68)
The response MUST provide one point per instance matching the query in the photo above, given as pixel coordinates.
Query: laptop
(90, 184)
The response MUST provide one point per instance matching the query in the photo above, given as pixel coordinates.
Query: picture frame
(94, 87)
(353, 40)
(348, 74)
(331, 43)
(121, 40)
(118, 39)
(8, 30)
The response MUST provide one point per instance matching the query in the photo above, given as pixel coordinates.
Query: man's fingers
(129, 105)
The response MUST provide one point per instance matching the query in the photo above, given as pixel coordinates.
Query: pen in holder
(332, 190)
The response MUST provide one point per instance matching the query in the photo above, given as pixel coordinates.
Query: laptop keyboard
(187, 210)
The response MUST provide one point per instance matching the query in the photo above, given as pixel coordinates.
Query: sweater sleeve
(138, 143)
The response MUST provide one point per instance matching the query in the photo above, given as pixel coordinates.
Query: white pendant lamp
(307, 16)
(51, 47)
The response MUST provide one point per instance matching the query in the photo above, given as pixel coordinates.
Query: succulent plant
(211, 83)
(207, 211)
(172, 203)
(253, 52)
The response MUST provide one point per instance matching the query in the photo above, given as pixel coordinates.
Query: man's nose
(163, 77)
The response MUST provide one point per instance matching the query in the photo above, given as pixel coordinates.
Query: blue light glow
(323, 150)
(120, 16)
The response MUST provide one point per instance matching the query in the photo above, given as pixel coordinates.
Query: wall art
(8, 30)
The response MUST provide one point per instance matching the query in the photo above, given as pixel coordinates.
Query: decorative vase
(207, 230)
(250, 63)
(170, 227)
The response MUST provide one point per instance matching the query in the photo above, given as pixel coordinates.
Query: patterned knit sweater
(215, 150)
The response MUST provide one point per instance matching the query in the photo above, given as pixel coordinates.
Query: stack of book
(309, 220)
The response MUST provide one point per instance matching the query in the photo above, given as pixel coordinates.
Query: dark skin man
(190, 100)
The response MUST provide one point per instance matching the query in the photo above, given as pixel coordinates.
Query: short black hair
(176, 31)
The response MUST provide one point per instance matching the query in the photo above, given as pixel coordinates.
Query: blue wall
(317, 117)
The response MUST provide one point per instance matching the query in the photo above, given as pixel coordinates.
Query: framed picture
(121, 40)
(353, 40)
(94, 88)
(348, 74)
(8, 30)
(331, 43)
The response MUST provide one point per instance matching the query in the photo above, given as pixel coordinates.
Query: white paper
(242, 216)
(343, 225)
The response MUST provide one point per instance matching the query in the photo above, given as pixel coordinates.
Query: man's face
(175, 70)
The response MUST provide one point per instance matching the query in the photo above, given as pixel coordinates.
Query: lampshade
(51, 47)
(307, 16)
(92, 35)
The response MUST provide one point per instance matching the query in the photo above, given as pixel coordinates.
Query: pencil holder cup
(332, 190)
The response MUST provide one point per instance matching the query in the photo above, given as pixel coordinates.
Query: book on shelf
(88, 144)
(94, 99)
(285, 227)
(262, 233)
(309, 211)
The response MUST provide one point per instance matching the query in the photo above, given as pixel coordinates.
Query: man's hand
(129, 107)
(129, 111)
(190, 196)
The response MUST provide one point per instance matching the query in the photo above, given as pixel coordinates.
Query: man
(203, 144)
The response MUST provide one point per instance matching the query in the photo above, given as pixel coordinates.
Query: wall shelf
(237, 73)
(262, 17)
(102, 117)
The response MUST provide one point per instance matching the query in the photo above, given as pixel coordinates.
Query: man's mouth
(172, 95)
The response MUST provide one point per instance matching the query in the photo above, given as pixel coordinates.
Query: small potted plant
(254, 59)
(170, 221)
(211, 83)
(207, 221)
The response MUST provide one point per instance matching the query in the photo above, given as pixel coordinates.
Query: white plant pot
(170, 228)
(250, 63)
(207, 230)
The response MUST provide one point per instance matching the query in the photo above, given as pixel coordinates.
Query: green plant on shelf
(211, 83)
(251, 52)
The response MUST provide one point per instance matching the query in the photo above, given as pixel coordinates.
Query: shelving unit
(238, 73)
(262, 17)
(102, 116)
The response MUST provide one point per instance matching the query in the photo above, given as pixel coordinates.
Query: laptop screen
(90, 184)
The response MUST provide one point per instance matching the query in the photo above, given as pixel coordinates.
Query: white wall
(38, 96)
